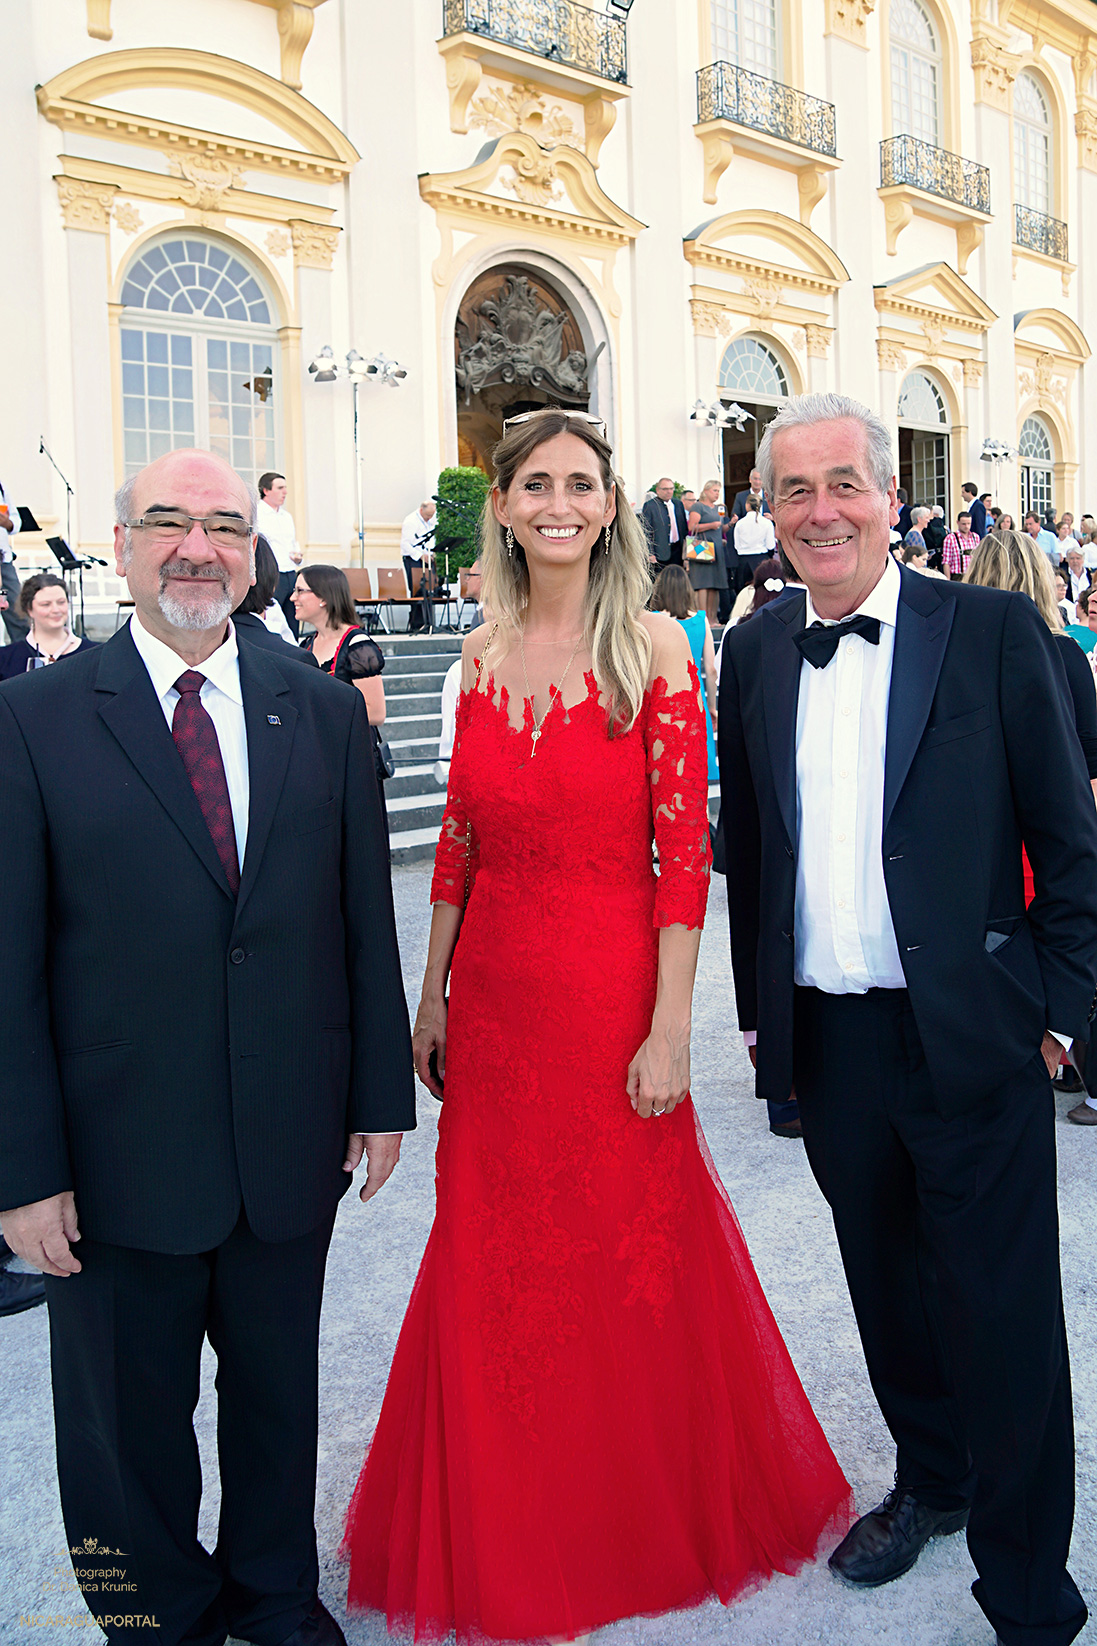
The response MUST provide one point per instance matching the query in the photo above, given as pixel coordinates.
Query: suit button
(237, 956)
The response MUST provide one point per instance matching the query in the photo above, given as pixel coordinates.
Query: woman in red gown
(591, 1412)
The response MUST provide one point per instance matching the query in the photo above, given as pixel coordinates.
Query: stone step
(418, 663)
(416, 728)
(403, 705)
(414, 845)
(414, 811)
(396, 684)
(404, 645)
(412, 751)
(413, 779)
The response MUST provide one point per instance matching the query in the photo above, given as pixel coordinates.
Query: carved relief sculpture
(207, 179)
(85, 205)
(313, 244)
(848, 18)
(517, 341)
(890, 357)
(522, 108)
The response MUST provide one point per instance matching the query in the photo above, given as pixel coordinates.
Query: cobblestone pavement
(374, 1257)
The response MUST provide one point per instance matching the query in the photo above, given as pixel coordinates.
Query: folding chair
(361, 592)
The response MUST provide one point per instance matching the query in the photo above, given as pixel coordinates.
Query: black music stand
(69, 563)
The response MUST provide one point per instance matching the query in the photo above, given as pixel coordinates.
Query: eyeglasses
(225, 531)
(582, 416)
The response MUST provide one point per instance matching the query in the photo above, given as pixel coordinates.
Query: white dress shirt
(844, 937)
(754, 534)
(277, 527)
(6, 537)
(673, 512)
(222, 700)
(416, 534)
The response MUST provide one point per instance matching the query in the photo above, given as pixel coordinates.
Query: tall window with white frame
(746, 32)
(199, 363)
(1031, 145)
(1036, 467)
(915, 73)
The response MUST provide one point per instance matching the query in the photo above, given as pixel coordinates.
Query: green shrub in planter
(461, 493)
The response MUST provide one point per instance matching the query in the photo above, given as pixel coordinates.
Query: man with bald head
(194, 837)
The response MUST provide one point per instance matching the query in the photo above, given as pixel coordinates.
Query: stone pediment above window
(931, 315)
(294, 30)
(579, 54)
(518, 181)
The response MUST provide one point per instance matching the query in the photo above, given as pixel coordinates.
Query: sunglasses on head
(582, 416)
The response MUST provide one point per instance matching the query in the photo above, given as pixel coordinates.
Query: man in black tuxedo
(193, 838)
(665, 523)
(742, 499)
(910, 1001)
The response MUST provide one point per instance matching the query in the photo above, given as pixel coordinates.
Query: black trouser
(949, 1235)
(287, 582)
(420, 612)
(126, 1341)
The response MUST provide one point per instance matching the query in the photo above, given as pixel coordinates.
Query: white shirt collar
(881, 602)
(221, 668)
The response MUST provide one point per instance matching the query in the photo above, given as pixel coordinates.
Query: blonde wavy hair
(620, 584)
(1011, 560)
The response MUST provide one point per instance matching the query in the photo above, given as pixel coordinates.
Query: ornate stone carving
(969, 237)
(463, 73)
(127, 217)
(995, 71)
(718, 152)
(764, 295)
(898, 214)
(848, 18)
(206, 179)
(973, 373)
(599, 116)
(99, 20)
(811, 183)
(522, 108)
(818, 341)
(517, 341)
(313, 244)
(85, 205)
(1085, 126)
(1085, 66)
(277, 243)
(294, 33)
(709, 319)
(934, 332)
(532, 179)
(889, 356)
(1042, 380)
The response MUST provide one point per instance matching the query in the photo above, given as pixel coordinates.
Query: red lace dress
(591, 1412)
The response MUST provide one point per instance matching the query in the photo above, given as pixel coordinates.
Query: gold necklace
(539, 725)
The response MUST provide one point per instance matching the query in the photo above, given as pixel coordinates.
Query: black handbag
(386, 765)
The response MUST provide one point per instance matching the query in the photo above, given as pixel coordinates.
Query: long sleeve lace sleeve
(457, 854)
(677, 764)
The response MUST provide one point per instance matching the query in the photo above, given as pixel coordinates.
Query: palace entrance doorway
(517, 346)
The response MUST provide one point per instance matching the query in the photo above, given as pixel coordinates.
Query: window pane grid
(915, 76)
(157, 396)
(744, 32)
(749, 368)
(1031, 146)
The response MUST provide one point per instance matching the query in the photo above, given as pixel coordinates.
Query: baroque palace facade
(626, 208)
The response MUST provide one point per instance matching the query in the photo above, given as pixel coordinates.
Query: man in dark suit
(742, 499)
(664, 521)
(910, 1001)
(976, 508)
(193, 837)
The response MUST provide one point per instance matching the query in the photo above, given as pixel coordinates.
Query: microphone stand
(44, 451)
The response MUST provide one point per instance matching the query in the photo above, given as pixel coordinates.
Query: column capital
(85, 205)
(849, 19)
(995, 70)
(314, 244)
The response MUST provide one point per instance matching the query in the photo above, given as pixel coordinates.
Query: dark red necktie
(196, 739)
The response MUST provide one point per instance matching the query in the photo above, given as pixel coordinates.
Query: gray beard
(195, 615)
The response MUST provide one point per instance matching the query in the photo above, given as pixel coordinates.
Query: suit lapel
(781, 662)
(270, 720)
(922, 626)
(130, 710)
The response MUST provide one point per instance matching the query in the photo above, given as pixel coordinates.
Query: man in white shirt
(907, 997)
(416, 546)
(192, 829)
(10, 524)
(276, 524)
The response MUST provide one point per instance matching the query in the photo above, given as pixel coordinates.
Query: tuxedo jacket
(174, 1052)
(981, 754)
(739, 507)
(657, 525)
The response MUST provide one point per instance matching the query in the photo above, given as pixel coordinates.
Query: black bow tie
(820, 642)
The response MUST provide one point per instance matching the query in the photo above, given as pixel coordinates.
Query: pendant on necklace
(536, 735)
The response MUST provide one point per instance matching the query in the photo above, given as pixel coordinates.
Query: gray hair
(920, 513)
(829, 408)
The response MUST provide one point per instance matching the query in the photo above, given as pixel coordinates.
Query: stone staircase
(415, 668)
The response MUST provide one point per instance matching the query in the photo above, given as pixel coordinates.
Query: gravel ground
(374, 1257)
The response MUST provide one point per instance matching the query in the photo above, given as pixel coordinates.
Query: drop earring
(510, 543)
(606, 535)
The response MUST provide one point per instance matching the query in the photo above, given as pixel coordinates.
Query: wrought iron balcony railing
(562, 31)
(936, 171)
(1039, 233)
(727, 92)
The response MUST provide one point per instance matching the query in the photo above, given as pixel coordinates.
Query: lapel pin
(273, 720)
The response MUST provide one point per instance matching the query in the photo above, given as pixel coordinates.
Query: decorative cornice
(995, 71)
(716, 312)
(85, 205)
(160, 186)
(314, 245)
(958, 305)
(848, 19)
(825, 271)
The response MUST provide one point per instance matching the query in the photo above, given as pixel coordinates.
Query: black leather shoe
(887, 1541)
(19, 1292)
(318, 1629)
(787, 1128)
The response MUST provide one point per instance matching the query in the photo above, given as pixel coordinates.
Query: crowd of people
(591, 1413)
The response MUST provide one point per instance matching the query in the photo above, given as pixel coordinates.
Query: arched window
(923, 440)
(915, 73)
(1036, 470)
(1031, 145)
(198, 356)
(750, 369)
(745, 32)
(920, 401)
